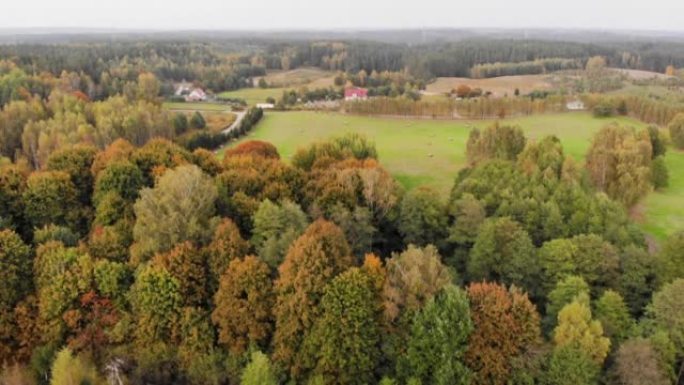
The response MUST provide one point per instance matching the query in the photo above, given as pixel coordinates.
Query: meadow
(431, 152)
(254, 95)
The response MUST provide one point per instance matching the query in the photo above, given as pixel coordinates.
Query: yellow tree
(576, 328)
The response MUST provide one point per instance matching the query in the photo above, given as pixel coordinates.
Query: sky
(342, 14)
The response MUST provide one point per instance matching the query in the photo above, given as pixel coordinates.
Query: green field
(254, 95)
(664, 210)
(419, 151)
(431, 152)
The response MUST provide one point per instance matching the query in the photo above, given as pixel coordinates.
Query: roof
(355, 92)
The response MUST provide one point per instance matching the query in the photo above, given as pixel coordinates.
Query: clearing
(309, 77)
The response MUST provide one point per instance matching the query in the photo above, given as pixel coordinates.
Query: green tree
(276, 226)
(569, 365)
(610, 309)
(179, 208)
(156, 300)
(495, 142)
(317, 256)
(122, 177)
(422, 217)
(676, 128)
(567, 290)
(15, 270)
(503, 252)
(357, 225)
(197, 121)
(639, 272)
(660, 176)
(75, 161)
(658, 143)
(672, 257)
(345, 339)
(50, 197)
(439, 339)
(259, 371)
(667, 311)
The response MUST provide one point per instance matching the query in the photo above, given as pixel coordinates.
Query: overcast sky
(342, 14)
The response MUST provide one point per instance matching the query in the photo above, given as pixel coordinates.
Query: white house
(190, 92)
(196, 95)
(265, 106)
(575, 105)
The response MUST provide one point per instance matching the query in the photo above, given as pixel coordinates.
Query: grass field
(419, 151)
(664, 210)
(499, 86)
(254, 95)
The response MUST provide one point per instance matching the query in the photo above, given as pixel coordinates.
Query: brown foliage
(89, 324)
(226, 245)
(185, 263)
(254, 148)
(244, 302)
(119, 150)
(506, 325)
(320, 254)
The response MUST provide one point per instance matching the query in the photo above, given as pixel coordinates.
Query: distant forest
(224, 61)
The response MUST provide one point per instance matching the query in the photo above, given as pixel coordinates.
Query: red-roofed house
(355, 93)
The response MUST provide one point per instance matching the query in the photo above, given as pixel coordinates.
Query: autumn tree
(413, 277)
(439, 339)
(247, 180)
(619, 163)
(495, 142)
(345, 339)
(577, 329)
(179, 208)
(317, 256)
(422, 217)
(349, 146)
(254, 148)
(637, 363)
(243, 304)
(276, 226)
(506, 325)
(226, 245)
(186, 264)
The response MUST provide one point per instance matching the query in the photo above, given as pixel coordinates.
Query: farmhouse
(190, 92)
(355, 93)
(575, 105)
